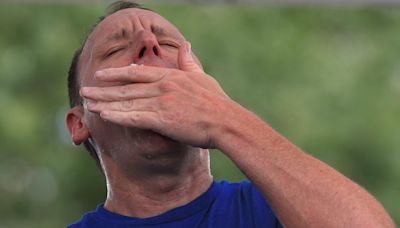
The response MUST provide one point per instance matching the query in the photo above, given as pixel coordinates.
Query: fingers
(147, 104)
(144, 120)
(115, 93)
(186, 60)
(132, 73)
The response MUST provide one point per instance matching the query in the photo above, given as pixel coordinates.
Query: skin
(152, 126)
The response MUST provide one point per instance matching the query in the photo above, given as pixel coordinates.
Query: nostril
(141, 53)
(155, 50)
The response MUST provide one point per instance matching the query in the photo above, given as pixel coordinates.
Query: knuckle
(123, 91)
(169, 117)
(168, 86)
(134, 117)
(127, 105)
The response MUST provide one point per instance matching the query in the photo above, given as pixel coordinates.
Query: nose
(148, 46)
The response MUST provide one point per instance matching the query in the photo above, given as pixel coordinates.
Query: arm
(303, 191)
(189, 106)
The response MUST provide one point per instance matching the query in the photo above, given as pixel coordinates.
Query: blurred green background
(326, 78)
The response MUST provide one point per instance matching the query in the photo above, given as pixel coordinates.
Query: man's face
(125, 37)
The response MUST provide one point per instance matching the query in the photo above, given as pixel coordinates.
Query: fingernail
(189, 48)
(104, 114)
(99, 74)
(84, 90)
(91, 104)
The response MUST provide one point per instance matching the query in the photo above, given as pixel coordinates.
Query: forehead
(129, 20)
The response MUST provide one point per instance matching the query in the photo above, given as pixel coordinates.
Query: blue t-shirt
(223, 205)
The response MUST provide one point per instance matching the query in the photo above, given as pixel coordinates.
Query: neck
(152, 193)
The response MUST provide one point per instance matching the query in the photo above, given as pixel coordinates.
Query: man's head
(128, 34)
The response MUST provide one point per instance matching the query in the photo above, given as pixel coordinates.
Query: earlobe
(76, 126)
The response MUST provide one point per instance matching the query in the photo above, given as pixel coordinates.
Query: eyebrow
(160, 31)
(156, 30)
(123, 34)
(120, 35)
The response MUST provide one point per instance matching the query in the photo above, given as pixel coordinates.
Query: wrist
(230, 126)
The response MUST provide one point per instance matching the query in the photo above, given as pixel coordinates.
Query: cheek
(122, 60)
(93, 121)
(100, 130)
(171, 56)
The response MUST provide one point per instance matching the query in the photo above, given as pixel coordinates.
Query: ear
(76, 126)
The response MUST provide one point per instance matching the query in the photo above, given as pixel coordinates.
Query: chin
(153, 153)
(136, 151)
(152, 145)
(159, 141)
(130, 147)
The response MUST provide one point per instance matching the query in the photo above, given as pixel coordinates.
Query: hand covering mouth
(154, 61)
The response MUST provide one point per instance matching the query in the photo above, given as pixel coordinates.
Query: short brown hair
(73, 80)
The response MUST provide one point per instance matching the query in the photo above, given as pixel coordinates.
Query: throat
(155, 191)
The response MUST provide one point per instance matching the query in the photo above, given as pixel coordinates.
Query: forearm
(303, 191)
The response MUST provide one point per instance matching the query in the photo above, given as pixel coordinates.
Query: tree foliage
(327, 78)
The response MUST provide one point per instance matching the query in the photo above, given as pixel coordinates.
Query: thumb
(186, 60)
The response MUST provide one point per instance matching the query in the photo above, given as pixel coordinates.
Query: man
(146, 110)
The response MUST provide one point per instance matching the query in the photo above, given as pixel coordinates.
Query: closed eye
(114, 51)
(169, 44)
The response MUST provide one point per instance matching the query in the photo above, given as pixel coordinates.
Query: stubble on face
(127, 146)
